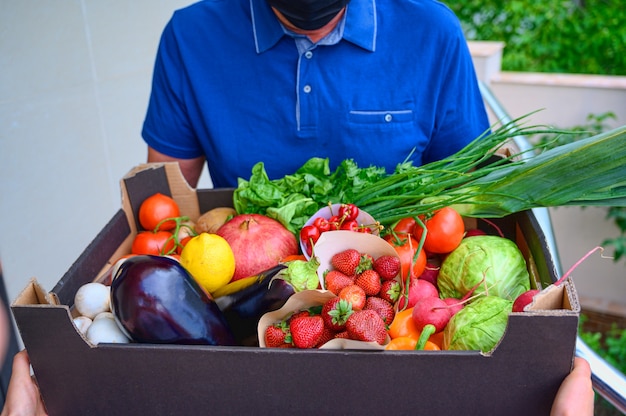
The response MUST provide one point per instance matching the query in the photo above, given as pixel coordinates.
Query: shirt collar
(360, 27)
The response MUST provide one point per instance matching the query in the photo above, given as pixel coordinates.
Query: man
(281, 81)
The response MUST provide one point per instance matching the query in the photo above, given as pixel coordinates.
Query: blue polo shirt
(230, 83)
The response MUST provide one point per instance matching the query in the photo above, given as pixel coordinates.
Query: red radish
(454, 305)
(524, 299)
(494, 226)
(418, 289)
(474, 231)
(527, 297)
(433, 311)
(430, 273)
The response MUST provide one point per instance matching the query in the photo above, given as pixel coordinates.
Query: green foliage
(610, 346)
(566, 36)
(618, 215)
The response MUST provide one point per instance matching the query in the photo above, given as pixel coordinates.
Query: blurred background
(74, 84)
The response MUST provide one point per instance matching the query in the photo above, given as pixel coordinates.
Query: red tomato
(406, 249)
(445, 231)
(148, 242)
(155, 209)
(404, 226)
(182, 243)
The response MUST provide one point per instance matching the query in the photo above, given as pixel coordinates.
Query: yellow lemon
(210, 260)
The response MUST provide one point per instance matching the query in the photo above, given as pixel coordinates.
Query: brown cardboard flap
(553, 297)
(149, 178)
(34, 294)
(184, 194)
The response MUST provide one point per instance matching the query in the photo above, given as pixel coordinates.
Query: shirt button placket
(307, 88)
(305, 114)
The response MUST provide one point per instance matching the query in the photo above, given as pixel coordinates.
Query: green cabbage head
(497, 259)
(479, 325)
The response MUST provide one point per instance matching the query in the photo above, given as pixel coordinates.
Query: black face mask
(309, 14)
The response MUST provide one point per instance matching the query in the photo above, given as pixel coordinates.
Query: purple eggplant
(155, 300)
(244, 308)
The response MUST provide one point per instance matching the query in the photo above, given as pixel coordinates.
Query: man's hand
(23, 396)
(575, 396)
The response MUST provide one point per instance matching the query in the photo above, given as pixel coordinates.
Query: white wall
(74, 85)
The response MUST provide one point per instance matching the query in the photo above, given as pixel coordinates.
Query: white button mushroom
(103, 315)
(92, 298)
(82, 323)
(106, 330)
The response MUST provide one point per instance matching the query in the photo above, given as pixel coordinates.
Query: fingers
(575, 396)
(21, 365)
(22, 394)
(582, 368)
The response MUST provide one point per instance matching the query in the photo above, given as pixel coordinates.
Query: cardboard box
(520, 377)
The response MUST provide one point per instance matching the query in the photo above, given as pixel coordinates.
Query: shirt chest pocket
(397, 131)
(382, 118)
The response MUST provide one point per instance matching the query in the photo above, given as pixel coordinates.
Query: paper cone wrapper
(304, 300)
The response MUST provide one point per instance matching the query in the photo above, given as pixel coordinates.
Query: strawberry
(369, 280)
(342, 334)
(335, 313)
(346, 261)
(366, 325)
(306, 331)
(355, 295)
(382, 307)
(366, 263)
(390, 291)
(298, 314)
(327, 335)
(277, 334)
(387, 266)
(335, 281)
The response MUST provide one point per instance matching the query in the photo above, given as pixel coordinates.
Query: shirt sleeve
(167, 127)
(461, 116)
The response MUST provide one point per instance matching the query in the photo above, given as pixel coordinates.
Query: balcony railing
(608, 382)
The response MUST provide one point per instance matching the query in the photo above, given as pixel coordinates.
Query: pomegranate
(258, 243)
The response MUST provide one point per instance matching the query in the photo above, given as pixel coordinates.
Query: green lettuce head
(498, 260)
(479, 325)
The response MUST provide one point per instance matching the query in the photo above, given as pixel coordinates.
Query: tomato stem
(180, 223)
